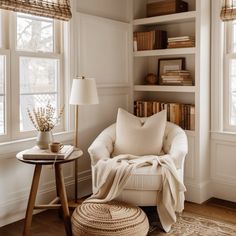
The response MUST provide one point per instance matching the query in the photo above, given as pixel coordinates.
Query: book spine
(154, 107)
(185, 116)
(149, 108)
(178, 114)
(192, 117)
(188, 117)
(135, 108)
(145, 109)
(172, 113)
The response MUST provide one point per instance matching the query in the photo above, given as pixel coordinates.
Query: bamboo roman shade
(228, 11)
(57, 9)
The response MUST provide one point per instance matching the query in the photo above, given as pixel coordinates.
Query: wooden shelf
(160, 88)
(165, 52)
(167, 19)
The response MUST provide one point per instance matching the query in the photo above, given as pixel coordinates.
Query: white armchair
(143, 184)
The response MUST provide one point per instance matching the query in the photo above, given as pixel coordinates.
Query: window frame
(8, 49)
(7, 135)
(227, 83)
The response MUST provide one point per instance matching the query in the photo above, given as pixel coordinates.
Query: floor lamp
(83, 92)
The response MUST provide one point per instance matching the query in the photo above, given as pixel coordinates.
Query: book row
(157, 39)
(180, 114)
(181, 42)
(176, 77)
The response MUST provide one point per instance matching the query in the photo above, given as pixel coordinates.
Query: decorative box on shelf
(150, 40)
(166, 7)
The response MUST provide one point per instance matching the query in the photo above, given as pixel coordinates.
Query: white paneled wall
(103, 53)
(223, 162)
(104, 50)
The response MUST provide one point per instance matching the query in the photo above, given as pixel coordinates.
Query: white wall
(103, 47)
(15, 177)
(223, 145)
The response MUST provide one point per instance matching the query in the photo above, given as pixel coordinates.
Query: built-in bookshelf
(194, 23)
(146, 61)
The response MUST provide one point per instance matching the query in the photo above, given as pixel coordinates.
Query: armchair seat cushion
(144, 178)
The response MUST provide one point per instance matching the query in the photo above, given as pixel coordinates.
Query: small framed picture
(168, 64)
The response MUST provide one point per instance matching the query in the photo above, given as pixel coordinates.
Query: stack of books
(181, 42)
(45, 154)
(177, 77)
(180, 114)
(150, 40)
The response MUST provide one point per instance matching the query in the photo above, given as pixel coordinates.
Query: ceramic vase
(43, 139)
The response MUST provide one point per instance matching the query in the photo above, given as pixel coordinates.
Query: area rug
(189, 224)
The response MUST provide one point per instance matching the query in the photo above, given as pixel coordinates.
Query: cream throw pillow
(137, 136)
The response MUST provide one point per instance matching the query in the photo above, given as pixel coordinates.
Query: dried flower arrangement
(43, 118)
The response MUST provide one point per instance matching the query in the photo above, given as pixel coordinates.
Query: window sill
(10, 149)
(223, 136)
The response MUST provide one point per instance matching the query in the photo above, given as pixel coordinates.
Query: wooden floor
(48, 223)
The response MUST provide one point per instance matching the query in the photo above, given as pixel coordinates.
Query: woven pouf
(109, 219)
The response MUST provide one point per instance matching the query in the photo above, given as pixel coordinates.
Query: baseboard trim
(14, 210)
(224, 191)
(198, 193)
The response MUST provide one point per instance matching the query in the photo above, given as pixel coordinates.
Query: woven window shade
(57, 9)
(228, 11)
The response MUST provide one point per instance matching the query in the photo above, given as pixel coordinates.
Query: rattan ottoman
(109, 219)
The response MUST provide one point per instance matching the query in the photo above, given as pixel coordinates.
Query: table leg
(63, 199)
(32, 198)
(60, 212)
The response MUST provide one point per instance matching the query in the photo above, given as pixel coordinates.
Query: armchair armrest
(102, 146)
(176, 144)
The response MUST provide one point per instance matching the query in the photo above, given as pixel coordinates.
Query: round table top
(77, 153)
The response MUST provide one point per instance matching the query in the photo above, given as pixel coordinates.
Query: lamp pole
(76, 145)
(83, 92)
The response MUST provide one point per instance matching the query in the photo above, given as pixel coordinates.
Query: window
(31, 71)
(38, 84)
(34, 33)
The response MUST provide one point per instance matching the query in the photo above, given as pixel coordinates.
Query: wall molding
(219, 171)
(107, 85)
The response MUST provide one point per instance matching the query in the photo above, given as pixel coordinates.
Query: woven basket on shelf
(109, 219)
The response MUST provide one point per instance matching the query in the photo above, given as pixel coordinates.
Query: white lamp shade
(83, 92)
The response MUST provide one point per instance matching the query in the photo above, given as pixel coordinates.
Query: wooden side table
(60, 187)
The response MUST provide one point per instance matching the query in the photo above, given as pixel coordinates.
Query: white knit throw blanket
(112, 175)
